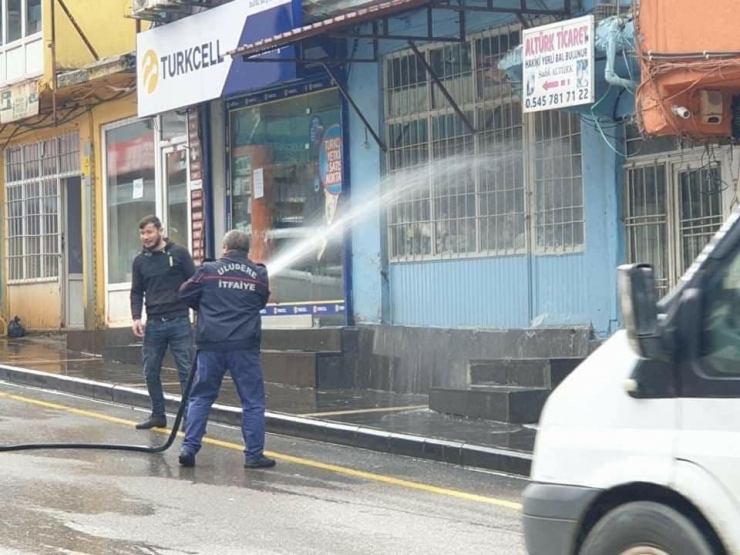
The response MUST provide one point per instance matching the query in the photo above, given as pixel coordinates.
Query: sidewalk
(377, 420)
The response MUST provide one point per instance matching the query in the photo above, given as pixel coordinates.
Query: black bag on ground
(15, 328)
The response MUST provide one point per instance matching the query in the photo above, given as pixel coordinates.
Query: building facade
(398, 126)
(67, 70)
(273, 140)
(478, 215)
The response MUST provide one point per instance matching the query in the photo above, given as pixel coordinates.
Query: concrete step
(515, 405)
(528, 372)
(323, 370)
(312, 339)
(317, 370)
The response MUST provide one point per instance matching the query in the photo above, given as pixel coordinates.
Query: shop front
(147, 170)
(286, 189)
(273, 161)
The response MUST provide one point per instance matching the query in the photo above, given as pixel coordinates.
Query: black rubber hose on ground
(113, 447)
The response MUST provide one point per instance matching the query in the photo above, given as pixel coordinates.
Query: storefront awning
(377, 14)
(336, 23)
(381, 10)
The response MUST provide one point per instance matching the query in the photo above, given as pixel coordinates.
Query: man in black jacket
(228, 295)
(158, 272)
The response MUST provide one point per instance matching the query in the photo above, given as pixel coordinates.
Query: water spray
(396, 186)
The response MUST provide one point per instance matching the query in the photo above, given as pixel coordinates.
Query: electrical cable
(118, 447)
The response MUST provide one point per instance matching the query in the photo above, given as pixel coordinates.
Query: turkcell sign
(186, 62)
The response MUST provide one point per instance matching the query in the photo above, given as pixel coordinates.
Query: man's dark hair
(152, 219)
(236, 240)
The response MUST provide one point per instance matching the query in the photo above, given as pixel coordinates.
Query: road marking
(143, 384)
(370, 476)
(363, 411)
(53, 361)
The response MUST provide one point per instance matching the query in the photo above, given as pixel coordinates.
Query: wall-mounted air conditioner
(149, 7)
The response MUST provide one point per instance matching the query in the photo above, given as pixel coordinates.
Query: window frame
(674, 163)
(4, 39)
(41, 180)
(419, 97)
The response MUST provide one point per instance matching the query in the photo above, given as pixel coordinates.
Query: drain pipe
(613, 36)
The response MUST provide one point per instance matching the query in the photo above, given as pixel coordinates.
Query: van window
(721, 341)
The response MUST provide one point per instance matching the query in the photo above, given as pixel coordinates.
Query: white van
(638, 450)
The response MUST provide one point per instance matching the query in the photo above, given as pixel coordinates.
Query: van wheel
(645, 528)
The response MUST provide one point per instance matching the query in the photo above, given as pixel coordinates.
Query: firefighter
(228, 295)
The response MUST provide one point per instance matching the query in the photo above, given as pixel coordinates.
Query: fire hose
(118, 447)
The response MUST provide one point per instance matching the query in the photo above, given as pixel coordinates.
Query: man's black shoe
(262, 462)
(152, 422)
(187, 458)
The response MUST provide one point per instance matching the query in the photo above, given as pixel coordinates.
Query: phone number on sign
(556, 99)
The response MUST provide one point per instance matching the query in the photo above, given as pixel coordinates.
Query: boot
(187, 459)
(153, 422)
(262, 462)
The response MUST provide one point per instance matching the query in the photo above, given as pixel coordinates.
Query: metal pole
(78, 29)
(53, 47)
(357, 110)
(442, 88)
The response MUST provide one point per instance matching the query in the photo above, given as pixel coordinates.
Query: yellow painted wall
(39, 305)
(103, 22)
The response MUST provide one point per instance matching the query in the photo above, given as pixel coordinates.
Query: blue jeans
(246, 371)
(158, 335)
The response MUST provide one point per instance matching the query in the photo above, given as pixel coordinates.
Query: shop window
(407, 89)
(470, 198)
(502, 216)
(176, 185)
(33, 173)
(558, 183)
(453, 65)
(453, 186)
(286, 185)
(130, 193)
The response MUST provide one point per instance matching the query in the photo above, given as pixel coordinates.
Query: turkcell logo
(181, 62)
(150, 71)
(192, 59)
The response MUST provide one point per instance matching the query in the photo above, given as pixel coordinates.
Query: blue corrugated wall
(496, 292)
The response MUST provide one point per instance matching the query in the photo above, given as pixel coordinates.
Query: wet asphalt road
(321, 499)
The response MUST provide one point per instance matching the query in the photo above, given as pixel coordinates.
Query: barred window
(466, 191)
(558, 183)
(32, 190)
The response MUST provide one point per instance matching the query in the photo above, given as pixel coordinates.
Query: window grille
(558, 183)
(33, 174)
(468, 193)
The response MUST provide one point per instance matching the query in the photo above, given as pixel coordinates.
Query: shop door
(72, 284)
(175, 194)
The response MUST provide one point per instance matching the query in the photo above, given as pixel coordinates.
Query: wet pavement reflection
(88, 502)
(383, 410)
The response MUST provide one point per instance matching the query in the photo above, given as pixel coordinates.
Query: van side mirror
(639, 300)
